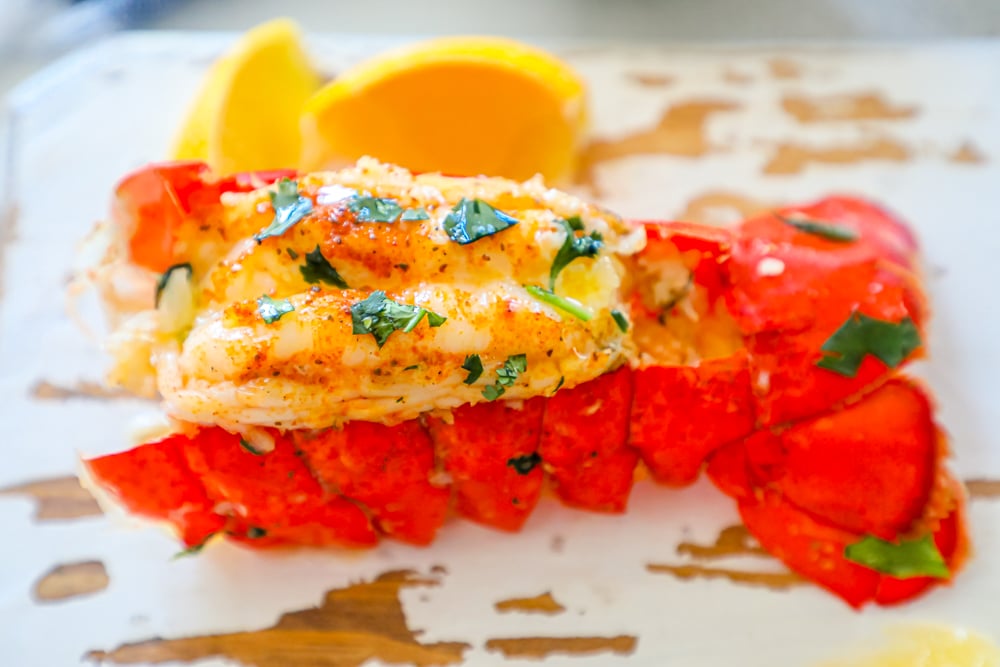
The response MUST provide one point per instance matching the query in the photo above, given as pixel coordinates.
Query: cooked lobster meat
(357, 354)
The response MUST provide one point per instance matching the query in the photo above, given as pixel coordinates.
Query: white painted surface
(80, 126)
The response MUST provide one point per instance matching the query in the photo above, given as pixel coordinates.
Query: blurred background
(34, 32)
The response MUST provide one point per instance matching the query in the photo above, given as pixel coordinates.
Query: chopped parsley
(506, 376)
(379, 316)
(245, 444)
(318, 269)
(255, 533)
(524, 464)
(474, 365)
(194, 549)
(890, 342)
(161, 283)
(907, 559)
(411, 368)
(289, 207)
(565, 304)
(271, 310)
(620, 320)
(574, 246)
(826, 230)
(473, 219)
(292, 253)
(414, 214)
(562, 381)
(374, 209)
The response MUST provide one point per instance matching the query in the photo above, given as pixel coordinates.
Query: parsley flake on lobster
(272, 310)
(375, 209)
(904, 560)
(565, 304)
(289, 208)
(474, 365)
(860, 335)
(507, 375)
(574, 247)
(525, 464)
(473, 219)
(318, 269)
(820, 228)
(379, 316)
(165, 278)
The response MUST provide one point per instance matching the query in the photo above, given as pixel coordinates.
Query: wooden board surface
(366, 620)
(704, 135)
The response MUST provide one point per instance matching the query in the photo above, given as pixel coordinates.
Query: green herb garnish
(571, 306)
(506, 376)
(292, 253)
(271, 310)
(289, 207)
(620, 320)
(414, 214)
(411, 368)
(524, 464)
(473, 219)
(907, 559)
(255, 533)
(161, 282)
(574, 246)
(379, 316)
(474, 365)
(374, 209)
(826, 230)
(245, 444)
(318, 269)
(194, 549)
(562, 381)
(890, 342)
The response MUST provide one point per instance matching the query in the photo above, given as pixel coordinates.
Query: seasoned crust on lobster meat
(225, 364)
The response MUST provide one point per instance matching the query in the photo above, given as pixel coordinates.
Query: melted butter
(928, 646)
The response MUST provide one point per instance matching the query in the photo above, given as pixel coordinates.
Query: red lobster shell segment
(776, 365)
(388, 469)
(490, 452)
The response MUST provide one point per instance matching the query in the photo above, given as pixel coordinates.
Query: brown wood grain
(353, 625)
(366, 620)
(732, 541)
(71, 580)
(44, 390)
(541, 647)
(792, 158)
(58, 498)
(539, 604)
(650, 79)
(849, 107)
(968, 153)
(679, 132)
(784, 68)
(983, 488)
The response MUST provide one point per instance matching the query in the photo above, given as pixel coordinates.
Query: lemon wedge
(246, 115)
(458, 105)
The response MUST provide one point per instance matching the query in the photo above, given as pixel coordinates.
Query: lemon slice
(459, 105)
(246, 115)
